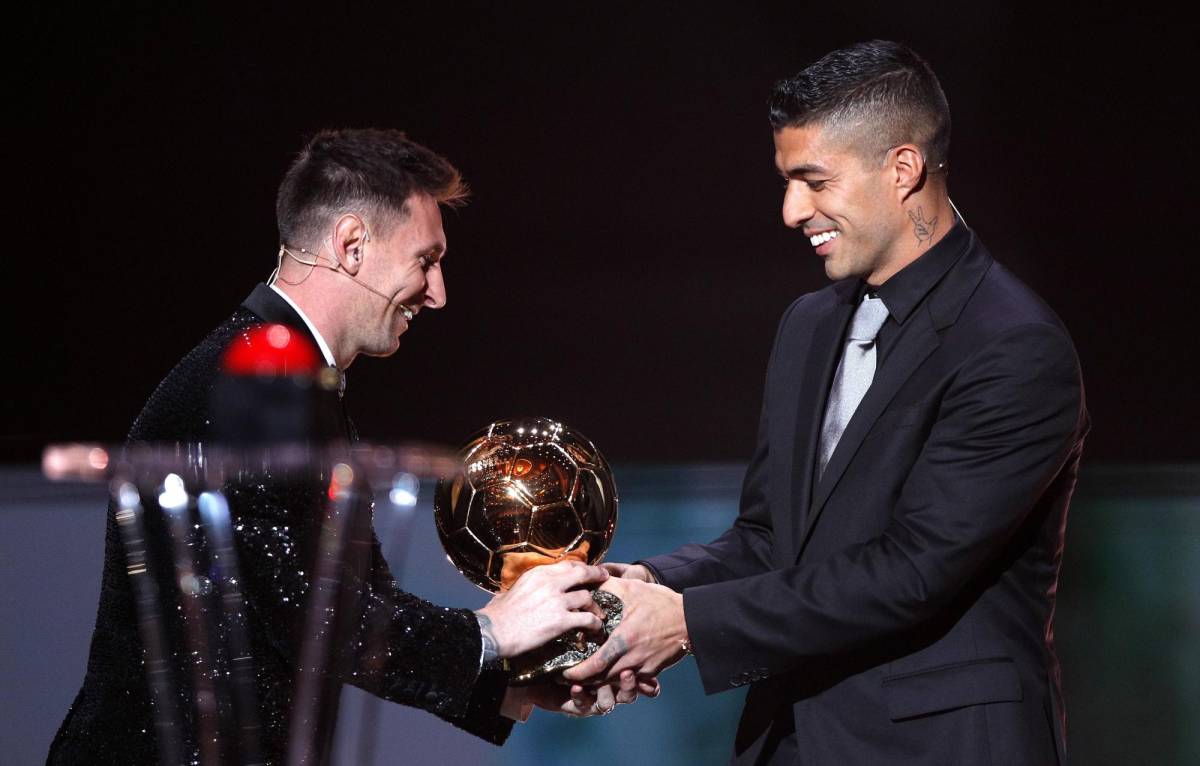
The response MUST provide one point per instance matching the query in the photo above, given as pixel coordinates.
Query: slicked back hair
(878, 94)
(369, 171)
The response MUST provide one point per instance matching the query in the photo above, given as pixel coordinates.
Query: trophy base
(567, 650)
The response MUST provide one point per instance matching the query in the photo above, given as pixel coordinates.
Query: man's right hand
(630, 572)
(544, 603)
(576, 700)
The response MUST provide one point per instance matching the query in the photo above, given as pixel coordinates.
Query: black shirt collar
(909, 286)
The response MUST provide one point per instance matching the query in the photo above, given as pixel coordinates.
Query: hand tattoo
(614, 648)
(491, 649)
(922, 228)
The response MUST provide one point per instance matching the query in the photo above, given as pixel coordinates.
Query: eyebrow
(803, 170)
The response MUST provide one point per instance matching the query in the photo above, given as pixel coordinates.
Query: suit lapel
(267, 304)
(820, 362)
(914, 344)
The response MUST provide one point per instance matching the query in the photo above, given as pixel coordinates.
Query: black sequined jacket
(403, 648)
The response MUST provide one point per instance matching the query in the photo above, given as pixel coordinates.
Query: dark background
(622, 264)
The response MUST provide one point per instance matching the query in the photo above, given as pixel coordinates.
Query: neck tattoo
(922, 229)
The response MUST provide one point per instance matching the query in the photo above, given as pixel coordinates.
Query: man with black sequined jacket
(361, 232)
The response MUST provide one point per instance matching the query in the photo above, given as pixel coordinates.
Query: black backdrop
(622, 264)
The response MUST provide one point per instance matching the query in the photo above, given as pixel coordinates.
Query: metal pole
(151, 629)
(214, 514)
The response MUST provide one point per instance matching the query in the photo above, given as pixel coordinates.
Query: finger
(582, 601)
(582, 574)
(579, 599)
(649, 687)
(618, 586)
(627, 663)
(551, 571)
(591, 575)
(627, 692)
(605, 700)
(583, 621)
(610, 652)
(630, 572)
(582, 696)
(580, 702)
(594, 608)
(587, 670)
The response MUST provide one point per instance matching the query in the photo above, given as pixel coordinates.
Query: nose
(435, 288)
(797, 205)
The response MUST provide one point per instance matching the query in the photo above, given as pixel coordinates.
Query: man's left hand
(650, 638)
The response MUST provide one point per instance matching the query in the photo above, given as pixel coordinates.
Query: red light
(270, 350)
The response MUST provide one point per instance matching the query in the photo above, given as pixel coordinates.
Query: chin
(383, 350)
(836, 271)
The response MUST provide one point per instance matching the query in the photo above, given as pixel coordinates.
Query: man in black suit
(361, 251)
(887, 590)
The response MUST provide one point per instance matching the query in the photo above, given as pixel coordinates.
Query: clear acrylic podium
(198, 661)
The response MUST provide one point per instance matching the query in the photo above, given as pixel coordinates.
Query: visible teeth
(408, 315)
(822, 238)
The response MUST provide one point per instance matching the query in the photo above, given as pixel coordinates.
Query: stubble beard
(863, 255)
(380, 336)
(842, 264)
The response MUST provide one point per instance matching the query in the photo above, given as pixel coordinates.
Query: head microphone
(336, 267)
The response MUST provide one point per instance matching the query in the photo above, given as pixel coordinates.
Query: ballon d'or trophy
(529, 492)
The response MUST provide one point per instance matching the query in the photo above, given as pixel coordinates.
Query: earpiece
(316, 260)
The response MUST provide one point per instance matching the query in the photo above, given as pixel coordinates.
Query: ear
(349, 236)
(908, 169)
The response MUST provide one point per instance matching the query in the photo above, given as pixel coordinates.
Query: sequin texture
(390, 643)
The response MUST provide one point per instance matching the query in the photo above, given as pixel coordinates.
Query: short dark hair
(371, 170)
(880, 92)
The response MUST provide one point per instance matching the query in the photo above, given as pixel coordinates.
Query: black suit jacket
(898, 610)
(401, 647)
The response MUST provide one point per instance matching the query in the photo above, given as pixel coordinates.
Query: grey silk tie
(854, 374)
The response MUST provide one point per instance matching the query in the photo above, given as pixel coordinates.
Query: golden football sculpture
(528, 492)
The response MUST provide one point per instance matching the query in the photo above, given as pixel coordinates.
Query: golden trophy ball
(528, 492)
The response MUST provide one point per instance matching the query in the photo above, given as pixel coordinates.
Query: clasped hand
(544, 603)
(652, 634)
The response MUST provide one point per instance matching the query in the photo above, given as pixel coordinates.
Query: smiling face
(406, 267)
(846, 205)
